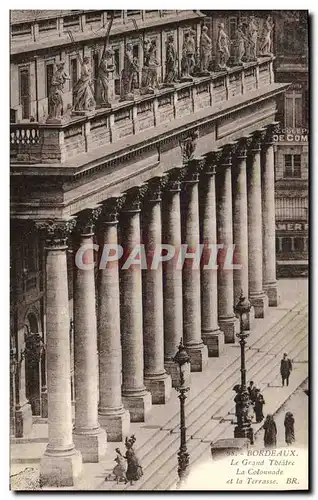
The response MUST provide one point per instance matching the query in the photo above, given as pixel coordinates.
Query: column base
(214, 340)
(23, 421)
(92, 444)
(198, 356)
(116, 423)
(229, 326)
(250, 320)
(272, 294)
(44, 408)
(60, 468)
(138, 404)
(173, 370)
(260, 303)
(160, 388)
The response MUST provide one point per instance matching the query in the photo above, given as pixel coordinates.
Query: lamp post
(182, 359)
(243, 428)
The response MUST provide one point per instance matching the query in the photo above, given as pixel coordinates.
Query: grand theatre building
(179, 152)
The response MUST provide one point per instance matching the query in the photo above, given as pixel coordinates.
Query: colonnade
(124, 351)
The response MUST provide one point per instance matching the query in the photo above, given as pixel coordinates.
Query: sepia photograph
(159, 185)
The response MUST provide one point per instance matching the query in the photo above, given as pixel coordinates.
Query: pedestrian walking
(285, 369)
(252, 391)
(258, 406)
(134, 469)
(270, 434)
(289, 423)
(120, 468)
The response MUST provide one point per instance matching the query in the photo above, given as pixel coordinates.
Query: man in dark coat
(252, 391)
(285, 369)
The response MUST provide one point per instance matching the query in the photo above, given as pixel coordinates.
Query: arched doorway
(33, 351)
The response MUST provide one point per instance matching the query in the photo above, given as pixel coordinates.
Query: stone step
(224, 431)
(169, 449)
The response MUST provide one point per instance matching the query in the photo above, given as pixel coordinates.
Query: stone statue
(188, 55)
(149, 80)
(252, 39)
(83, 92)
(55, 101)
(105, 67)
(171, 60)
(205, 50)
(266, 44)
(241, 44)
(130, 69)
(188, 146)
(223, 43)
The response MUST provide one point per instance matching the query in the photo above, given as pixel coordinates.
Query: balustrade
(51, 143)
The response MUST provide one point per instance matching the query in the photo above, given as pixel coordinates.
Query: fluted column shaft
(268, 214)
(135, 397)
(240, 227)
(255, 246)
(156, 379)
(88, 435)
(212, 336)
(227, 320)
(112, 415)
(172, 275)
(61, 463)
(191, 267)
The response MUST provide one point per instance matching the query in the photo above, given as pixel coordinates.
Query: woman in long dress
(270, 434)
(120, 468)
(258, 406)
(289, 423)
(134, 469)
(83, 93)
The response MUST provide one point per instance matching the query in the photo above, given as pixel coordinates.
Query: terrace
(126, 122)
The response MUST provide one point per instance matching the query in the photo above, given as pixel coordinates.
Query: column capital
(175, 177)
(209, 166)
(133, 198)
(56, 231)
(154, 190)
(188, 145)
(257, 140)
(241, 147)
(110, 209)
(223, 157)
(86, 220)
(192, 170)
(271, 130)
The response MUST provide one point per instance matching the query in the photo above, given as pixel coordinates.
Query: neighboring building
(98, 174)
(291, 191)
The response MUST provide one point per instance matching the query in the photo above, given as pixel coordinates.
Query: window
(292, 166)
(299, 244)
(95, 70)
(133, 12)
(117, 72)
(47, 25)
(70, 21)
(286, 245)
(21, 29)
(295, 38)
(24, 81)
(49, 75)
(293, 110)
(136, 57)
(73, 72)
(232, 27)
(92, 17)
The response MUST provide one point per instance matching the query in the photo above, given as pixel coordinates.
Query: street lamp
(182, 359)
(243, 428)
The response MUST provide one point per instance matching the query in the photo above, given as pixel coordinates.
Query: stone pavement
(209, 408)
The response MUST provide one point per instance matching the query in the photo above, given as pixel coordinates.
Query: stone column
(212, 336)
(111, 413)
(255, 247)
(229, 324)
(191, 285)
(89, 437)
(61, 463)
(268, 217)
(135, 396)
(240, 227)
(172, 276)
(156, 379)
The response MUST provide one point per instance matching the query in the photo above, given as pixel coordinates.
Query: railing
(47, 143)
